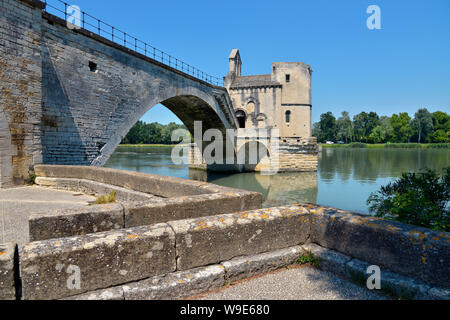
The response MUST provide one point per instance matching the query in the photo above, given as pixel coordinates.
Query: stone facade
(281, 100)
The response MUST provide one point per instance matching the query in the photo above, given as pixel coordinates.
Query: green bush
(420, 199)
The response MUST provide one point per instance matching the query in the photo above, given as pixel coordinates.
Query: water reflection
(367, 165)
(277, 190)
(345, 177)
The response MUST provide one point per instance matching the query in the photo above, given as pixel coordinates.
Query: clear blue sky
(402, 67)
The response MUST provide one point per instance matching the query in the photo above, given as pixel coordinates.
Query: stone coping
(161, 186)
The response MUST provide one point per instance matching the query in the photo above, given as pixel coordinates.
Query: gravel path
(303, 283)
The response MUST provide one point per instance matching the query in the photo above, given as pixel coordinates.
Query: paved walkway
(298, 283)
(17, 204)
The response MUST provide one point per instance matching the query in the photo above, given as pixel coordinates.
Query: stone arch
(189, 106)
(6, 170)
(241, 115)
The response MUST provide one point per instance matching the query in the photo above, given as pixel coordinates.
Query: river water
(344, 180)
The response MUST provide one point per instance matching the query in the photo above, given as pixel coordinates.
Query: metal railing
(86, 21)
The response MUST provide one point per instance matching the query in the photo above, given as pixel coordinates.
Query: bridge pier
(272, 154)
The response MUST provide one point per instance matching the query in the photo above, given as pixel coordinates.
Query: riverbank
(390, 145)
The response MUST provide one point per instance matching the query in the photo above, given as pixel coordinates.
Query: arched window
(288, 116)
(240, 115)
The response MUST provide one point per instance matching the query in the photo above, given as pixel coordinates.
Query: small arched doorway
(241, 118)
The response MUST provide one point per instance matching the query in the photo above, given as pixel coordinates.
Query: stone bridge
(70, 96)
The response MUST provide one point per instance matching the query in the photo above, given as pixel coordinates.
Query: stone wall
(241, 245)
(298, 154)
(20, 89)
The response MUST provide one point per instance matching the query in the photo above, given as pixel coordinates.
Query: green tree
(317, 132)
(155, 130)
(422, 124)
(420, 199)
(401, 127)
(441, 127)
(151, 133)
(364, 123)
(137, 134)
(383, 132)
(344, 127)
(327, 126)
(373, 121)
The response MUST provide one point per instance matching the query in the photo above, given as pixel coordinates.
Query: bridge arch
(190, 106)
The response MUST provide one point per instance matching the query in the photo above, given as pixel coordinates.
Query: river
(344, 180)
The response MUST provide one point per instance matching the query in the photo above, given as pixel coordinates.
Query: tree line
(424, 127)
(151, 133)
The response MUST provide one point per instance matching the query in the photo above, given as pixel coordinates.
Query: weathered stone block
(395, 285)
(65, 267)
(329, 260)
(71, 222)
(250, 266)
(141, 182)
(114, 293)
(93, 187)
(183, 208)
(58, 183)
(122, 194)
(218, 238)
(176, 285)
(7, 286)
(396, 246)
(435, 256)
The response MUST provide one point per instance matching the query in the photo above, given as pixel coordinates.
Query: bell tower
(235, 63)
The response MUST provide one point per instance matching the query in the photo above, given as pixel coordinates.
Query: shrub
(420, 199)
